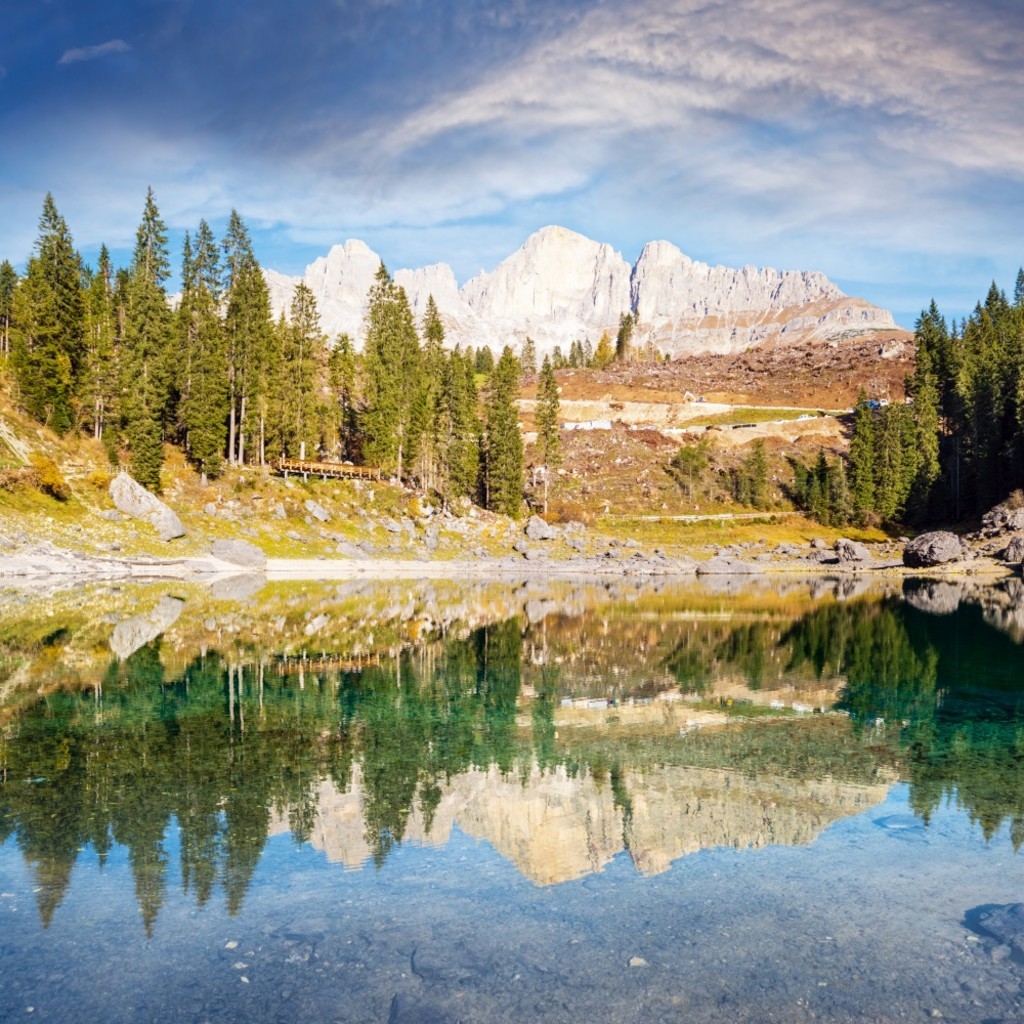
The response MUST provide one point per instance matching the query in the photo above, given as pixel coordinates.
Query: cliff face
(560, 287)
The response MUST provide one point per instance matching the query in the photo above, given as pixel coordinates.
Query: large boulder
(239, 552)
(930, 549)
(851, 551)
(131, 498)
(1014, 551)
(537, 529)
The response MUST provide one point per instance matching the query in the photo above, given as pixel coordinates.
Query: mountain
(560, 286)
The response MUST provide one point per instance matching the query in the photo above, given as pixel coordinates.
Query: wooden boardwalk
(336, 470)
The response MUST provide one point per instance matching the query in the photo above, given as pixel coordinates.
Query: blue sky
(879, 141)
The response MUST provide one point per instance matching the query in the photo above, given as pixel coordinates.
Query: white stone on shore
(131, 498)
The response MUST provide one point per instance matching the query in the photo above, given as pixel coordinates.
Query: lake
(512, 801)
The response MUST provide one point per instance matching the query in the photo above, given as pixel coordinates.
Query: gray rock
(936, 548)
(349, 550)
(131, 498)
(818, 544)
(132, 633)
(317, 511)
(391, 525)
(851, 551)
(111, 515)
(537, 529)
(239, 552)
(1014, 551)
(521, 546)
(210, 509)
(279, 512)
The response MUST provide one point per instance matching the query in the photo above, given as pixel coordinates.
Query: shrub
(48, 477)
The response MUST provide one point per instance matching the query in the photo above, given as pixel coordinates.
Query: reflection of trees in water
(224, 747)
(946, 690)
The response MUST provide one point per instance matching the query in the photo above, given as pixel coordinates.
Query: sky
(878, 141)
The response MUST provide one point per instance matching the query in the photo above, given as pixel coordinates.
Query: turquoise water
(511, 803)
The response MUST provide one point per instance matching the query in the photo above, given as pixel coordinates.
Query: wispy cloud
(83, 53)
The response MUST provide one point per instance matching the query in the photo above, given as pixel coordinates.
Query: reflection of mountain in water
(556, 826)
(656, 723)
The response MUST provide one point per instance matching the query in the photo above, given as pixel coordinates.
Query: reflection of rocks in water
(934, 596)
(730, 584)
(1004, 608)
(556, 827)
(237, 588)
(131, 634)
(1002, 922)
(853, 586)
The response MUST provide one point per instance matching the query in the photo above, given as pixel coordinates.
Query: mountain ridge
(561, 286)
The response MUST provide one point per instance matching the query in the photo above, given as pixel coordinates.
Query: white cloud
(83, 53)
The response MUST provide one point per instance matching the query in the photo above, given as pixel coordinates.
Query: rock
(851, 551)
(349, 550)
(210, 509)
(391, 525)
(1003, 518)
(537, 529)
(134, 500)
(1014, 551)
(132, 633)
(239, 552)
(1002, 922)
(818, 544)
(279, 512)
(637, 961)
(317, 511)
(521, 546)
(929, 549)
(111, 515)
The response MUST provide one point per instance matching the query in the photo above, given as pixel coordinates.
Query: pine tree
(624, 339)
(547, 416)
(8, 282)
(391, 361)
(503, 442)
(49, 314)
(146, 369)
(202, 364)
(304, 370)
(863, 472)
(924, 501)
(528, 359)
(98, 385)
(459, 430)
(247, 331)
(425, 442)
(343, 375)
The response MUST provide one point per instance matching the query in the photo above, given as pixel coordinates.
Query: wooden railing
(336, 470)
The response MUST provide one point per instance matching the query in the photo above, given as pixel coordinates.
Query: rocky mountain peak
(561, 286)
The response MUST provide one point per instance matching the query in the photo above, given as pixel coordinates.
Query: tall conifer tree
(202, 366)
(149, 354)
(503, 442)
(247, 329)
(391, 360)
(49, 311)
